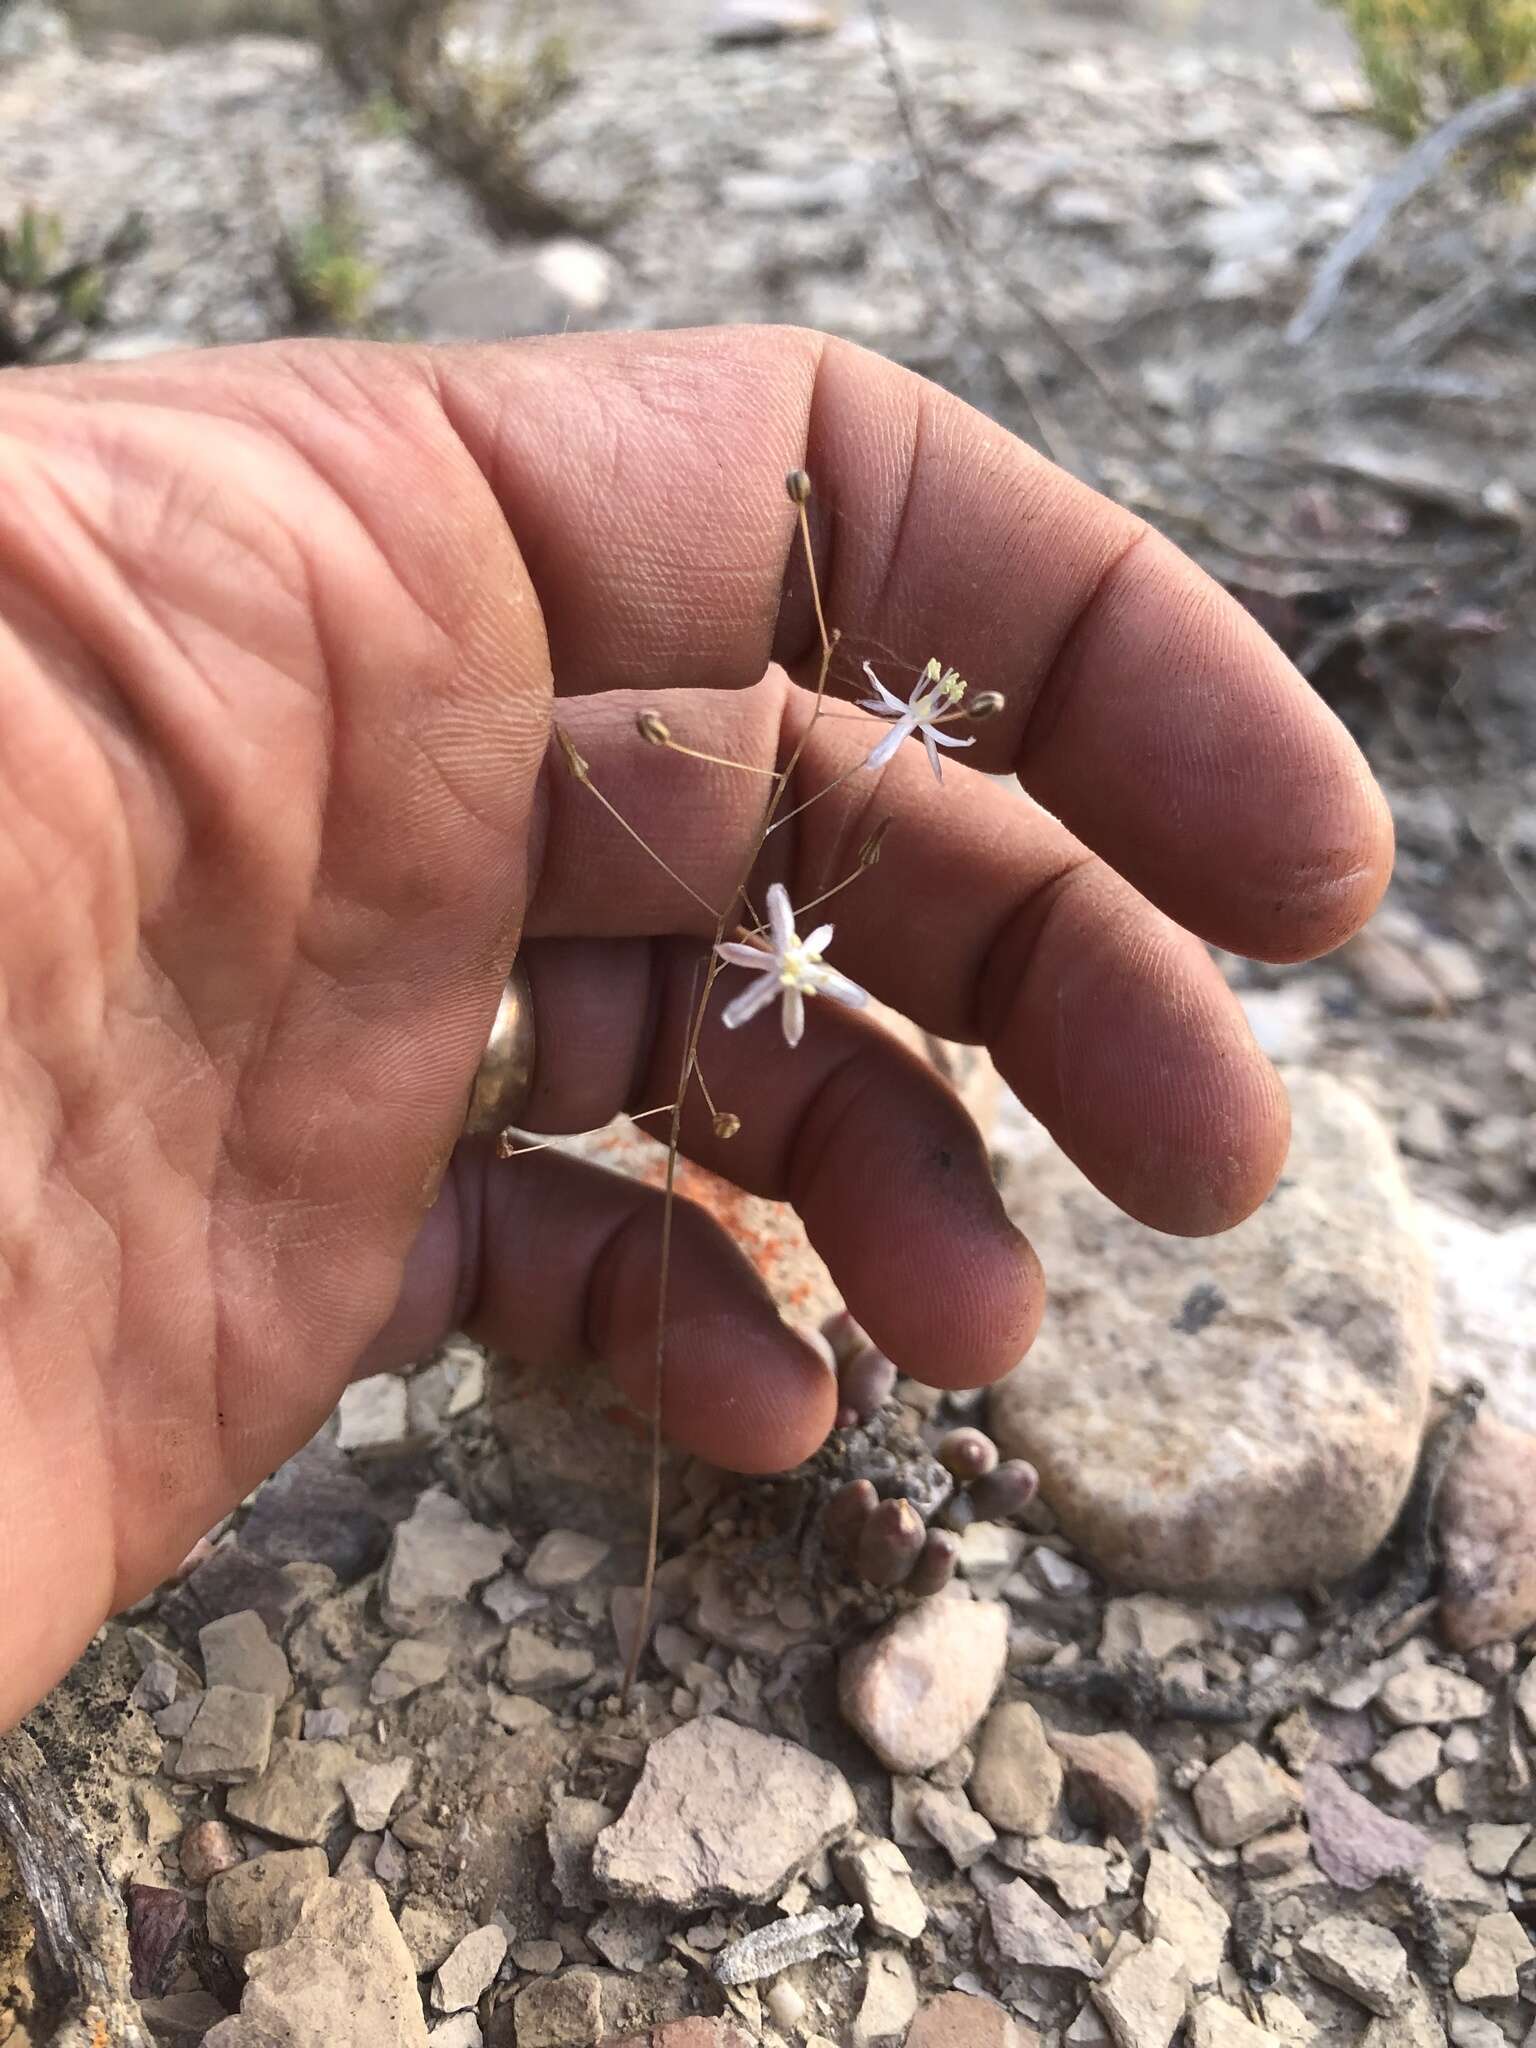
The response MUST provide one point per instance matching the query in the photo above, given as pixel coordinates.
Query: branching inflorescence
(877, 1536)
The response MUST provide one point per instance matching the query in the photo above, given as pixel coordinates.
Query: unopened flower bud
(984, 705)
(798, 485)
(1007, 1491)
(866, 1381)
(889, 1544)
(846, 1513)
(935, 1565)
(726, 1123)
(653, 729)
(869, 852)
(966, 1454)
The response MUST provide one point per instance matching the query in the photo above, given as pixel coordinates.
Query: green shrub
(53, 298)
(414, 73)
(1426, 58)
(329, 282)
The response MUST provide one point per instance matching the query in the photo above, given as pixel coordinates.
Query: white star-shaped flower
(936, 695)
(792, 968)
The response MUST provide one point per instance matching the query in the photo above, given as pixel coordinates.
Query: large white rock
(1242, 1411)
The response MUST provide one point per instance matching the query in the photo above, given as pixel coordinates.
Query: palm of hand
(276, 681)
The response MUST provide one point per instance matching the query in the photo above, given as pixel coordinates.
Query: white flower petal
(794, 1016)
(781, 919)
(752, 958)
(819, 940)
(890, 743)
(888, 698)
(741, 1009)
(948, 739)
(935, 762)
(841, 989)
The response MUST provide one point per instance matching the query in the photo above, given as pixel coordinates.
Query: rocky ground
(1200, 1742)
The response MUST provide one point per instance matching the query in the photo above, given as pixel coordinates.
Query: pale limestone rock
(1076, 1871)
(229, 1739)
(469, 1969)
(371, 1420)
(436, 1559)
(961, 1832)
(879, 1877)
(1142, 1996)
(1177, 1908)
(1273, 1855)
(1414, 2025)
(889, 2001)
(1412, 1755)
(564, 1558)
(1215, 2024)
(1500, 1945)
(1244, 1794)
(1359, 1958)
(373, 1791)
(721, 1816)
(1030, 1932)
(343, 1975)
(298, 1797)
(238, 1652)
(257, 1904)
(1269, 1435)
(1492, 1848)
(1017, 1779)
(410, 1667)
(1149, 1625)
(531, 1663)
(917, 1688)
(1427, 1695)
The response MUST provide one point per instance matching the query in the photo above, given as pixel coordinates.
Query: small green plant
(52, 299)
(1426, 58)
(381, 117)
(329, 282)
(415, 70)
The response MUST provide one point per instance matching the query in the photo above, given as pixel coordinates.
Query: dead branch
(1494, 118)
(82, 1930)
(1431, 330)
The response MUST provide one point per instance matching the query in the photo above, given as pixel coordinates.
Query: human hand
(277, 632)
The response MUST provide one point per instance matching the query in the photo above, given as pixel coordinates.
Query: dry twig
(1494, 118)
(82, 1931)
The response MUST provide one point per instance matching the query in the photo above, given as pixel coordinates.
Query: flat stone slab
(721, 1816)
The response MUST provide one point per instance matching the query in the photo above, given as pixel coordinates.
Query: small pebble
(207, 1848)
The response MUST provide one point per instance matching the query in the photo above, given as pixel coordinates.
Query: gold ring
(504, 1078)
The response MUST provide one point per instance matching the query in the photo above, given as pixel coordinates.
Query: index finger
(642, 477)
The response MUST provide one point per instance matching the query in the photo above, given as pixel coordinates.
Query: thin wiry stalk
(717, 760)
(798, 485)
(653, 730)
(578, 767)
